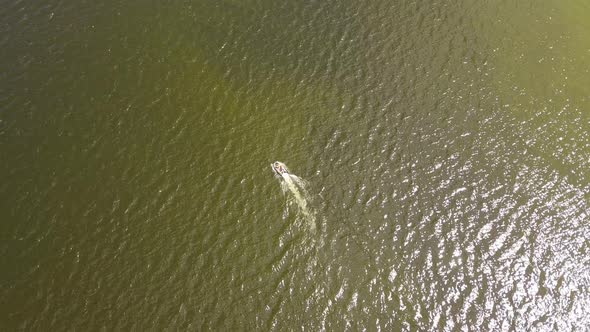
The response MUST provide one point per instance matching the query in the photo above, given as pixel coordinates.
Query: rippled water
(445, 145)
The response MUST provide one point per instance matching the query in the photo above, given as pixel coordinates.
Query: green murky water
(445, 147)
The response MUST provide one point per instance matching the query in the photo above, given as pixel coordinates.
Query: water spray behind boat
(296, 190)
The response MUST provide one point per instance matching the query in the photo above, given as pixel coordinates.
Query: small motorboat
(279, 168)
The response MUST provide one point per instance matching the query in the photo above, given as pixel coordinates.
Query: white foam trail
(297, 188)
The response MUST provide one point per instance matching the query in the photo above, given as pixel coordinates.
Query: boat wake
(295, 188)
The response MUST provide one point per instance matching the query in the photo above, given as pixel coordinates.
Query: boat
(279, 168)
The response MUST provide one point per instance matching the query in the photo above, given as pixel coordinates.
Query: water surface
(445, 145)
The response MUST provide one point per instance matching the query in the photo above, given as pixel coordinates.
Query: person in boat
(279, 168)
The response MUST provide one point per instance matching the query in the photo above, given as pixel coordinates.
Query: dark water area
(444, 146)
